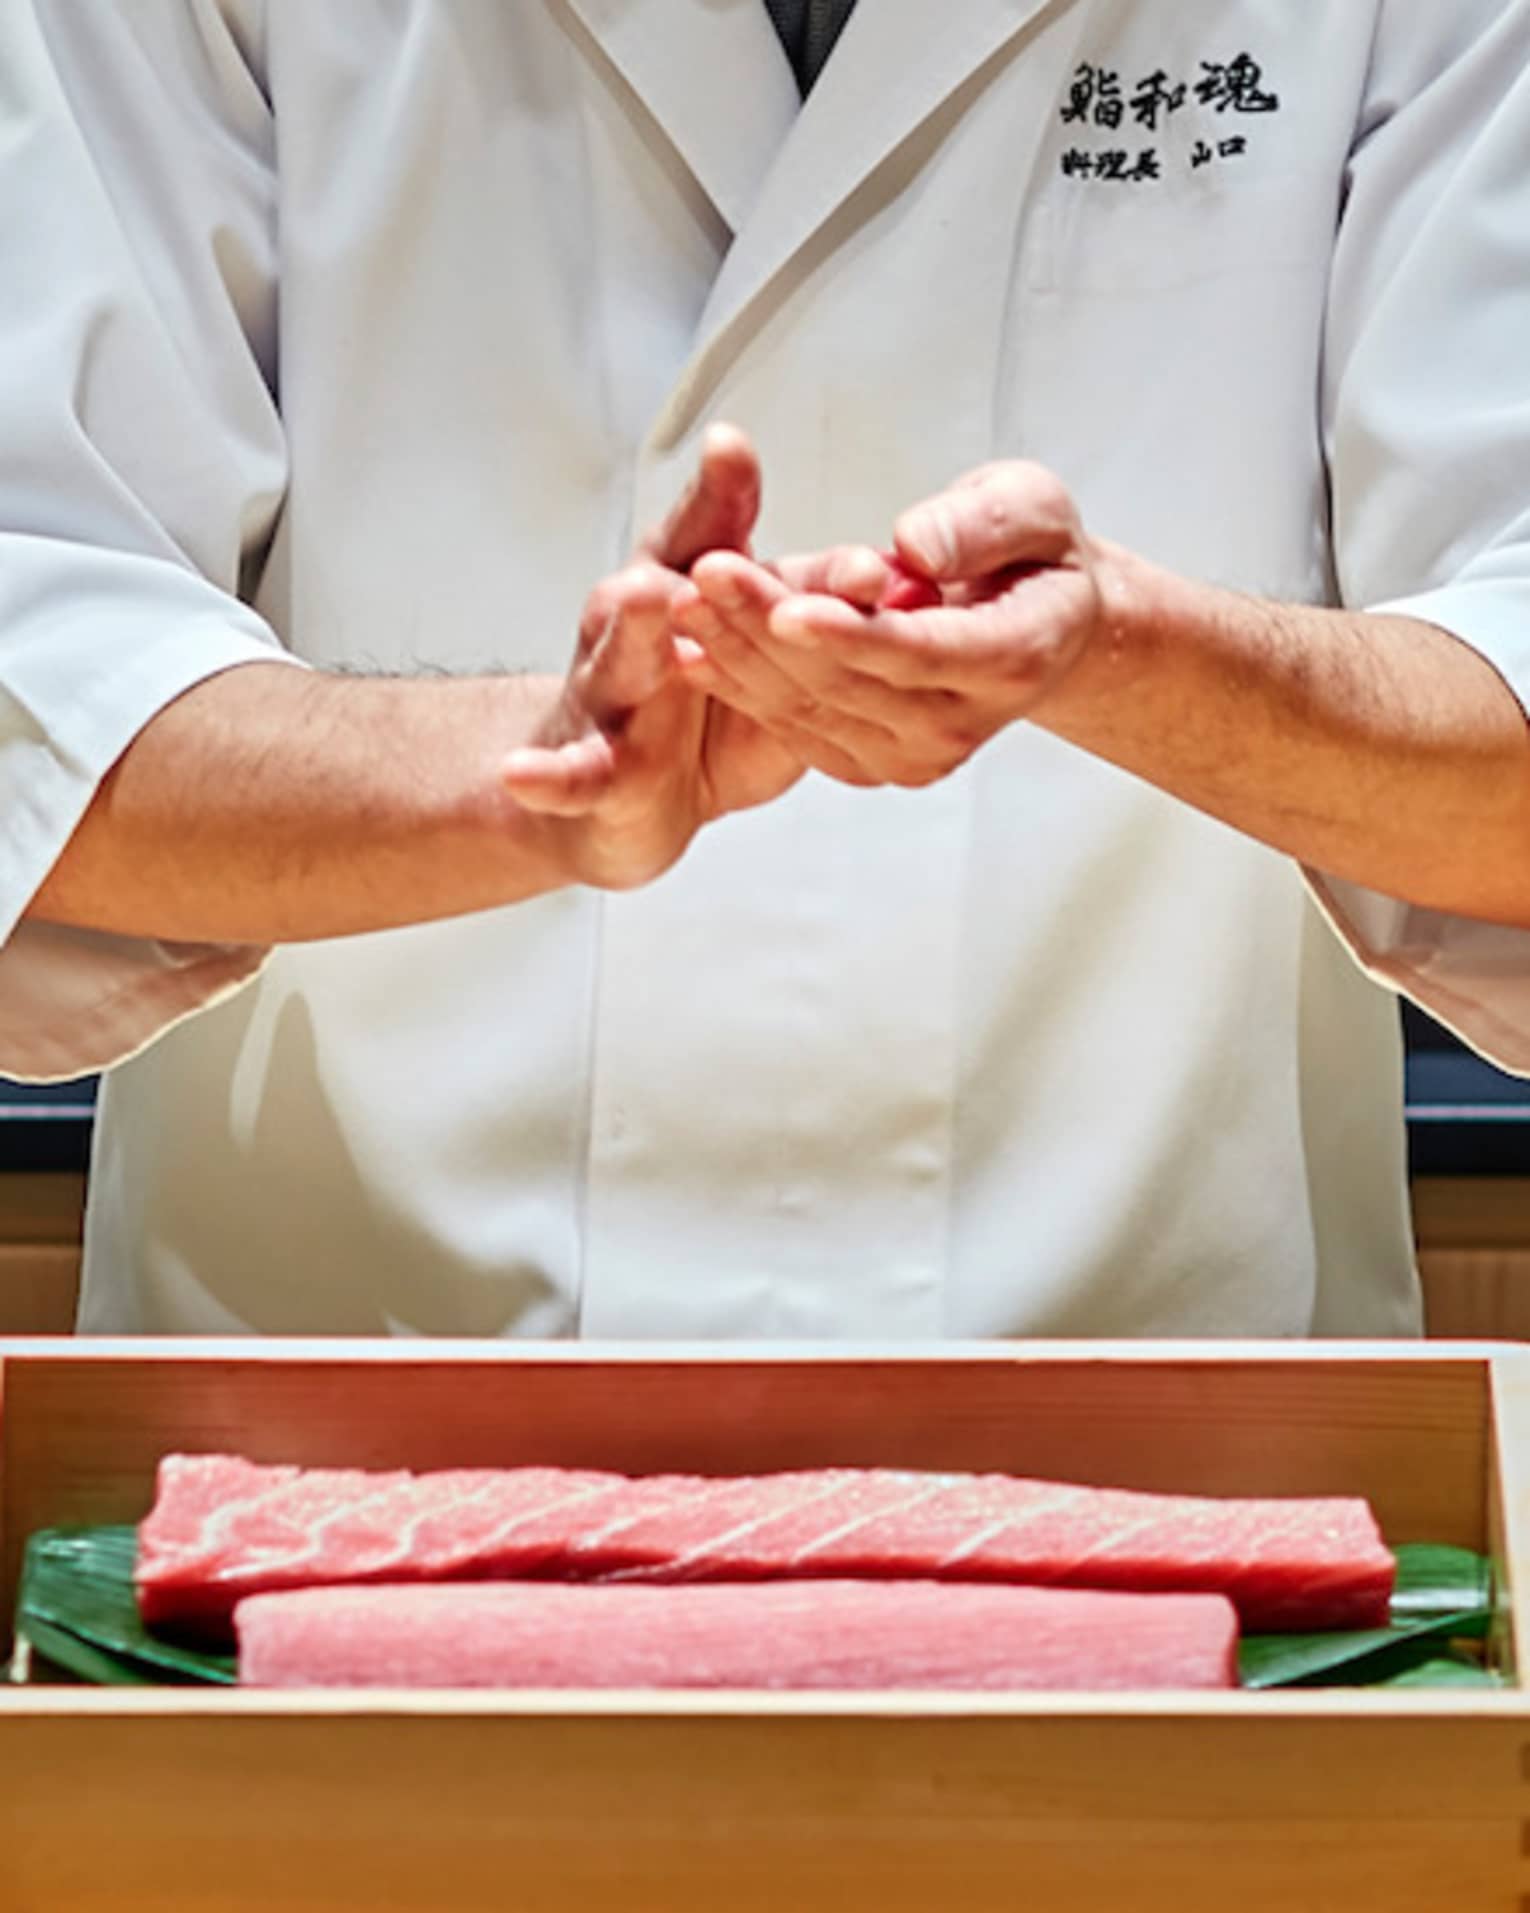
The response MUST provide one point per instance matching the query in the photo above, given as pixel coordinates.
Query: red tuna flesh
(907, 590)
(782, 1634)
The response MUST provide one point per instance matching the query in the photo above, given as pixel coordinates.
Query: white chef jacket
(367, 334)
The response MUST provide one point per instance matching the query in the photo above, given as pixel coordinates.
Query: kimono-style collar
(722, 90)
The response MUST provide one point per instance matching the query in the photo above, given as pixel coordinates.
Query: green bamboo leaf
(1448, 1671)
(78, 1611)
(77, 1608)
(54, 1651)
(1433, 1581)
(1341, 1659)
(1443, 1594)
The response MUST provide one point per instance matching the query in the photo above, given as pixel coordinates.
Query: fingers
(907, 589)
(717, 654)
(822, 739)
(626, 656)
(999, 516)
(826, 741)
(568, 781)
(853, 726)
(856, 573)
(731, 622)
(720, 506)
(1007, 641)
(870, 580)
(626, 651)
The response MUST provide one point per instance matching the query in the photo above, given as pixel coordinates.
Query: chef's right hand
(633, 760)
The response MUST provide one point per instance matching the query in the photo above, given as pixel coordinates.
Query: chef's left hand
(893, 696)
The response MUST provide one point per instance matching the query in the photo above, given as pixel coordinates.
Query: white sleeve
(143, 462)
(1427, 417)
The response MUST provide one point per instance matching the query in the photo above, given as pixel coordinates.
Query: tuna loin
(782, 1634)
(223, 1528)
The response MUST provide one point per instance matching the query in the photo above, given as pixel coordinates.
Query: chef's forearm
(1376, 748)
(272, 805)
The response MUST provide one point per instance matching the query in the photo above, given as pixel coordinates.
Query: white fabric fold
(1427, 409)
(143, 463)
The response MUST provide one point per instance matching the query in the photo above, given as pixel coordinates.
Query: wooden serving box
(166, 1800)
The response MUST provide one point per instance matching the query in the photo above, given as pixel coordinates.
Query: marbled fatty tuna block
(222, 1529)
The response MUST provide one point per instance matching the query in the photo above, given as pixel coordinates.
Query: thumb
(568, 780)
(1002, 515)
(720, 505)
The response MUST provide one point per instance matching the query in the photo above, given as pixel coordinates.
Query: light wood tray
(170, 1800)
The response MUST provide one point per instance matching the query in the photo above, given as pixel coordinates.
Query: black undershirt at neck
(808, 30)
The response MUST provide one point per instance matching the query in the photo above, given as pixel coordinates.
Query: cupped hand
(635, 756)
(895, 667)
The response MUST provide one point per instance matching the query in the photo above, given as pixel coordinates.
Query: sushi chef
(1021, 963)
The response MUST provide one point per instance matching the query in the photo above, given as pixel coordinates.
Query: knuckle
(850, 568)
(917, 776)
(995, 510)
(1021, 669)
(1024, 659)
(956, 728)
(955, 742)
(646, 581)
(1025, 488)
(725, 638)
(1051, 501)
(595, 774)
(599, 609)
(1032, 474)
(912, 664)
(837, 686)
